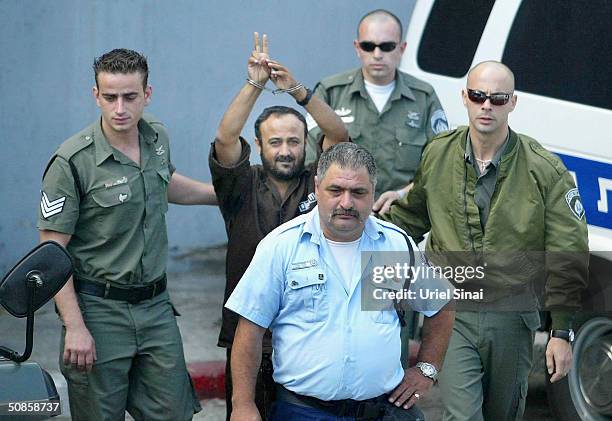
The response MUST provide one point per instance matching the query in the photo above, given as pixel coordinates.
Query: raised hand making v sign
(255, 199)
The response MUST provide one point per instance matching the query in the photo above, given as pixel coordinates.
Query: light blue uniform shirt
(324, 344)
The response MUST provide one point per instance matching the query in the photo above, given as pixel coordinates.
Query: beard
(270, 167)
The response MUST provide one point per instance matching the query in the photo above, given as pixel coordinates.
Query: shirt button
(346, 359)
(87, 137)
(400, 143)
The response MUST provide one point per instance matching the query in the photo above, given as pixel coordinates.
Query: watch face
(427, 369)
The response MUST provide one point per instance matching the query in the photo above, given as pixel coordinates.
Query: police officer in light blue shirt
(306, 282)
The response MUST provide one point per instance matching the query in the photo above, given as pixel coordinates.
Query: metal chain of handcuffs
(275, 91)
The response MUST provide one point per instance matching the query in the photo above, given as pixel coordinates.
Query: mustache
(345, 212)
(284, 158)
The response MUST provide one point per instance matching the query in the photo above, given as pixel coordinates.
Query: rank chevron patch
(50, 208)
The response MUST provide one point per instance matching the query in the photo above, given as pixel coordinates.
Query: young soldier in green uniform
(105, 195)
(391, 113)
(493, 192)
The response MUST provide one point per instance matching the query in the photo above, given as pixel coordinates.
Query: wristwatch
(306, 99)
(428, 370)
(568, 334)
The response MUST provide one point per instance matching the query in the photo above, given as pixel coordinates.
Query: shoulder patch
(51, 207)
(572, 197)
(439, 123)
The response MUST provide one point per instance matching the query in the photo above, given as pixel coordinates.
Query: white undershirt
(379, 94)
(346, 256)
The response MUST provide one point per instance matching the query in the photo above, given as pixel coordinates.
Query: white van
(561, 54)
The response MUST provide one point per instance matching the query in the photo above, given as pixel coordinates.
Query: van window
(563, 50)
(451, 36)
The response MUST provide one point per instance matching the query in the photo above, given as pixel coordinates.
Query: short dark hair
(385, 13)
(347, 155)
(122, 60)
(278, 110)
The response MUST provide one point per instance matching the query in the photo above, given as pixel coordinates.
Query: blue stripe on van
(588, 173)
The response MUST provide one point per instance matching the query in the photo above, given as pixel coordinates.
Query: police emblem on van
(572, 197)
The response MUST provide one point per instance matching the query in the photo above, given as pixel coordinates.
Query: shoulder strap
(401, 313)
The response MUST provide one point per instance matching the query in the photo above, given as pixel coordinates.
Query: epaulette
(289, 225)
(340, 79)
(156, 125)
(68, 149)
(446, 133)
(545, 154)
(152, 120)
(415, 83)
(75, 143)
(391, 226)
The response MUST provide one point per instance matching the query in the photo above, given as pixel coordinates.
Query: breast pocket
(377, 299)
(114, 209)
(307, 296)
(410, 143)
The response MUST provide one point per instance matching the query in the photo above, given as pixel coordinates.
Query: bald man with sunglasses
(515, 209)
(390, 113)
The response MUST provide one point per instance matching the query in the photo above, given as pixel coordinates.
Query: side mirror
(32, 282)
(48, 266)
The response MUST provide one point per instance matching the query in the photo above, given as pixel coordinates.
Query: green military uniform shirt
(396, 136)
(113, 208)
(485, 185)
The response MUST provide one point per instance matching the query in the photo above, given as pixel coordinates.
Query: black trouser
(294, 407)
(265, 389)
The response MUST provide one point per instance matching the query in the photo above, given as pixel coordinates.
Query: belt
(369, 409)
(131, 295)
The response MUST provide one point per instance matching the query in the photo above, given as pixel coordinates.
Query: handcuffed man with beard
(255, 199)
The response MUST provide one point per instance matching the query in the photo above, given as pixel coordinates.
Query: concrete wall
(197, 54)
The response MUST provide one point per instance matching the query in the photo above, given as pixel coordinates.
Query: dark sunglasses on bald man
(479, 97)
(369, 46)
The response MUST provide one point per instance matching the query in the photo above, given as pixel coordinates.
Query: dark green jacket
(535, 208)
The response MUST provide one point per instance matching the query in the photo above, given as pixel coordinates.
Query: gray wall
(197, 54)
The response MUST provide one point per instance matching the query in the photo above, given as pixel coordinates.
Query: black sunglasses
(369, 46)
(479, 97)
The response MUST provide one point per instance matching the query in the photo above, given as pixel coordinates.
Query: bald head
(492, 71)
(488, 118)
(381, 16)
